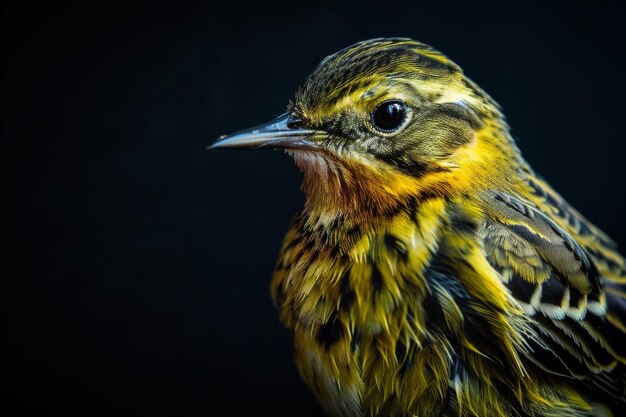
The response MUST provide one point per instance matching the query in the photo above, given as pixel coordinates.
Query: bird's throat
(359, 190)
(333, 186)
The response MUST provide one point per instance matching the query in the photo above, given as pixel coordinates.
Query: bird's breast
(356, 313)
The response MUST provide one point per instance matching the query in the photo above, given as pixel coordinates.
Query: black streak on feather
(330, 332)
(346, 291)
(552, 291)
(377, 280)
(355, 341)
(521, 288)
(394, 245)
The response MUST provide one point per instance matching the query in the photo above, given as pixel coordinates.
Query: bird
(432, 271)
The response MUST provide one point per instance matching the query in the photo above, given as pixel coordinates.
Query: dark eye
(389, 116)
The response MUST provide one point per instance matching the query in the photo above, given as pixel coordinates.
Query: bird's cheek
(437, 139)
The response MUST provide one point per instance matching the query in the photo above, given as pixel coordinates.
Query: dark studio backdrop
(136, 264)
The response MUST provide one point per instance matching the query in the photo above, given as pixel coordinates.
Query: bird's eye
(389, 116)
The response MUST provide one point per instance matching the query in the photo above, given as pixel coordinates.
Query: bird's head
(386, 120)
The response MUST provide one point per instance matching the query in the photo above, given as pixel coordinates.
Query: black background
(137, 264)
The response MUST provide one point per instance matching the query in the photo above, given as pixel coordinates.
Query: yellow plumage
(431, 271)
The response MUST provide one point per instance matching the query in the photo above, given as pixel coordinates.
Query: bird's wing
(579, 319)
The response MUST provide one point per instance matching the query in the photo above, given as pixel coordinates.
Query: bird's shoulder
(600, 248)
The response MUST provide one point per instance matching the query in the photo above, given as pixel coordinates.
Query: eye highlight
(389, 116)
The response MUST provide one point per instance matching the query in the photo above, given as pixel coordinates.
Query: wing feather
(578, 315)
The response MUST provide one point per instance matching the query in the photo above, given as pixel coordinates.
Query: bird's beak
(284, 132)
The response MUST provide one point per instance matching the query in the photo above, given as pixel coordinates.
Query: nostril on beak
(295, 123)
